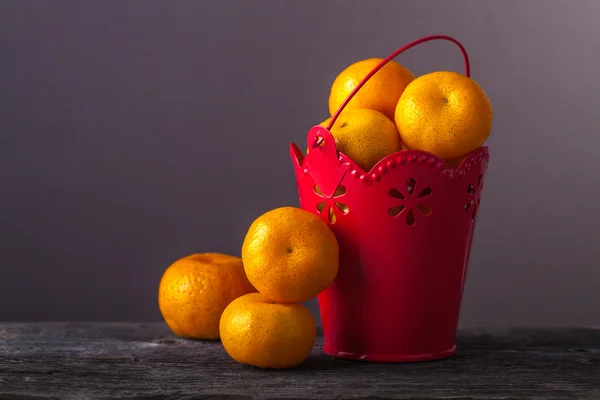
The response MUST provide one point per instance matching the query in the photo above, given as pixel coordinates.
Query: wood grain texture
(146, 361)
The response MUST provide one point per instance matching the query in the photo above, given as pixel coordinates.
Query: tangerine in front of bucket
(443, 113)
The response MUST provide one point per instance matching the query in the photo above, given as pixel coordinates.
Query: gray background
(137, 132)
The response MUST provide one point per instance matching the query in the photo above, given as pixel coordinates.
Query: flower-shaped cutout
(331, 204)
(411, 202)
(475, 192)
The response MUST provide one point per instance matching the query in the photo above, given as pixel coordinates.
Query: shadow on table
(324, 362)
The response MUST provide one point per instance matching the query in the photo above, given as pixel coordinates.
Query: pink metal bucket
(405, 230)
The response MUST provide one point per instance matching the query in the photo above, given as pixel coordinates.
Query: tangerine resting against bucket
(404, 230)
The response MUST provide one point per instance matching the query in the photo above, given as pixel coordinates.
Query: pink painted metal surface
(405, 230)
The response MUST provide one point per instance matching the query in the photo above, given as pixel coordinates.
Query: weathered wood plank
(135, 361)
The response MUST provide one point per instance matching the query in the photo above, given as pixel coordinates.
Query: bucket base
(389, 357)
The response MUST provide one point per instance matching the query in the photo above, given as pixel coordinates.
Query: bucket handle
(395, 54)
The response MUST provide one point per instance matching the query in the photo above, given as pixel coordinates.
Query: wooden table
(146, 361)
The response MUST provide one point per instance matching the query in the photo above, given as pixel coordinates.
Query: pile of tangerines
(444, 113)
(253, 303)
(290, 255)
